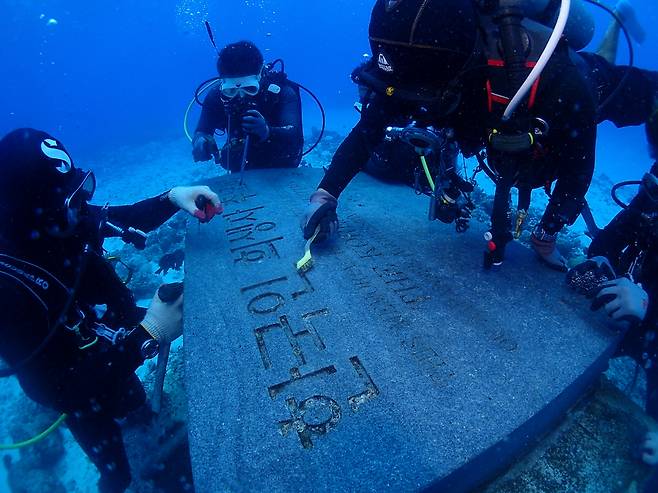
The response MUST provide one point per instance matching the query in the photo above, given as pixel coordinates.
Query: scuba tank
(579, 29)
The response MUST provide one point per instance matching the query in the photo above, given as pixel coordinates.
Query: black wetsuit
(566, 99)
(628, 234)
(93, 385)
(283, 113)
(633, 103)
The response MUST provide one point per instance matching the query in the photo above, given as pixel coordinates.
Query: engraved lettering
(257, 255)
(308, 287)
(316, 415)
(258, 243)
(274, 301)
(236, 199)
(262, 284)
(296, 376)
(249, 214)
(247, 231)
(371, 391)
(293, 337)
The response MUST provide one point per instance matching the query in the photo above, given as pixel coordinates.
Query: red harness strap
(492, 97)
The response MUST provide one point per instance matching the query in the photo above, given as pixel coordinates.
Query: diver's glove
(622, 299)
(173, 260)
(587, 276)
(164, 321)
(204, 147)
(254, 123)
(189, 198)
(321, 211)
(544, 245)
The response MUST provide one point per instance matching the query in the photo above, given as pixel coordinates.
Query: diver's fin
(626, 13)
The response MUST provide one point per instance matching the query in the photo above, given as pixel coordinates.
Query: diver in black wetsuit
(70, 329)
(250, 100)
(622, 277)
(439, 63)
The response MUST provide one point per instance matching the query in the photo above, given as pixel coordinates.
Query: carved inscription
(316, 415)
(326, 411)
(235, 196)
(371, 391)
(383, 261)
(246, 235)
(377, 276)
(296, 376)
(253, 239)
(293, 337)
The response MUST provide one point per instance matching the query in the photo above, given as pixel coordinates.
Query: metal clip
(520, 219)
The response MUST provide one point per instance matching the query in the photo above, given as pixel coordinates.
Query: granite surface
(397, 363)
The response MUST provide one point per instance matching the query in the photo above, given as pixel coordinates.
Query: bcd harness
(512, 46)
(60, 308)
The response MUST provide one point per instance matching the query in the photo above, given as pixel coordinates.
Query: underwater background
(112, 81)
(100, 76)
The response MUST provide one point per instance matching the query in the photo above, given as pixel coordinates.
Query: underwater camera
(448, 192)
(451, 203)
(235, 110)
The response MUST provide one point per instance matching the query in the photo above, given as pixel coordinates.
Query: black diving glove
(254, 123)
(587, 276)
(173, 260)
(204, 147)
(321, 211)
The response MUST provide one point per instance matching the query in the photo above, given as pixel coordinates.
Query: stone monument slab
(397, 363)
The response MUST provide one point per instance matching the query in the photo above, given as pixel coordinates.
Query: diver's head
(422, 47)
(42, 193)
(240, 67)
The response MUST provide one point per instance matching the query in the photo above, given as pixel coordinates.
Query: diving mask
(231, 87)
(83, 192)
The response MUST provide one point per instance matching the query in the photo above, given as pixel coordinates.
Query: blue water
(122, 73)
(106, 75)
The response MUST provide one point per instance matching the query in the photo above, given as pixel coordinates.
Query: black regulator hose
(613, 192)
(324, 118)
(59, 322)
(201, 86)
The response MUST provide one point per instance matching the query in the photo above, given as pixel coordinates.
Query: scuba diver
(455, 65)
(410, 155)
(259, 110)
(621, 275)
(71, 331)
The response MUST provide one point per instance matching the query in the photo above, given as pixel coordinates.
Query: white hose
(546, 55)
(189, 107)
